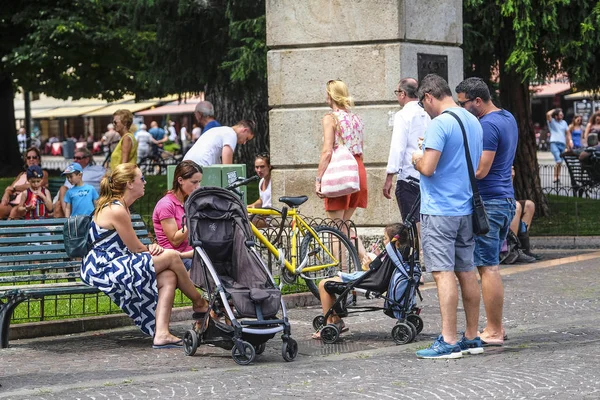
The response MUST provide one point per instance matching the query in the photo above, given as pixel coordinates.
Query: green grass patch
(569, 216)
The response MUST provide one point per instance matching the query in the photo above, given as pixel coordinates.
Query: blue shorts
(187, 263)
(557, 148)
(349, 277)
(447, 243)
(487, 248)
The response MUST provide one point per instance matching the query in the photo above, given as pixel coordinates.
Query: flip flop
(505, 334)
(344, 328)
(491, 344)
(173, 345)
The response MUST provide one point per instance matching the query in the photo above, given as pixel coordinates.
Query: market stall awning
(550, 89)
(110, 110)
(171, 109)
(67, 112)
(587, 94)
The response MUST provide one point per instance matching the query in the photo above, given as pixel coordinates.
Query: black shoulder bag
(481, 224)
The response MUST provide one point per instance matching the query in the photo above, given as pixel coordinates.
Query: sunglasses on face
(32, 157)
(462, 103)
(79, 158)
(114, 122)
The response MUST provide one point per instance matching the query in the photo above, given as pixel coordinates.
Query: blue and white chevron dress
(127, 278)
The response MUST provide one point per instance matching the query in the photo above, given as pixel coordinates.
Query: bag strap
(102, 235)
(335, 129)
(467, 154)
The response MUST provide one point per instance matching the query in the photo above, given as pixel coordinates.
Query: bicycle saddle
(293, 201)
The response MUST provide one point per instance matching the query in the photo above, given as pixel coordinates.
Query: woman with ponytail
(140, 279)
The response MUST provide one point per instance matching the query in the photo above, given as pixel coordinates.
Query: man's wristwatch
(318, 180)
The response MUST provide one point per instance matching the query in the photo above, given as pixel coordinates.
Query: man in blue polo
(500, 137)
(446, 214)
(560, 138)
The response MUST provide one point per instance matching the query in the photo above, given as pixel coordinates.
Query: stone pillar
(370, 45)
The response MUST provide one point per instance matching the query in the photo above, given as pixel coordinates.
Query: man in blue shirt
(500, 137)
(446, 214)
(559, 137)
(205, 115)
(158, 134)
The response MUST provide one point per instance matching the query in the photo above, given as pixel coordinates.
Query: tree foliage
(522, 41)
(149, 48)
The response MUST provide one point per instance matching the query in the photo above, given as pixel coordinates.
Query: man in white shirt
(410, 124)
(22, 139)
(172, 131)
(217, 145)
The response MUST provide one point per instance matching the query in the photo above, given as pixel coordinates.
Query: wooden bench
(34, 264)
(580, 178)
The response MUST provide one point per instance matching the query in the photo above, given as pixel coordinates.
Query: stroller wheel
(402, 333)
(190, 342)
(243, 353)
(318, 322)
(259, 349)
(412, 328)
(330, 334)
(289, 349)
(416, 321)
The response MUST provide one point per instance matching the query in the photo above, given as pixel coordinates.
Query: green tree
(109, 48)
(217, 47)
(64, 48)
(521, 41)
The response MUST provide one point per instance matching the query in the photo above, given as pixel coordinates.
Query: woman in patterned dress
(343, 128)
(140, 280)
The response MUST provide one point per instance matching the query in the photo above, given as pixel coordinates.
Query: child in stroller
(228, 268)
(388, 274)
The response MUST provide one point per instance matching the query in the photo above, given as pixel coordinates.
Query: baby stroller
(394, 276)
(239, 285)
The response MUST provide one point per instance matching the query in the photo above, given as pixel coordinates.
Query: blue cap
(34, 171)
(74, 167)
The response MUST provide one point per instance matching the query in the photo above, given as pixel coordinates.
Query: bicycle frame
(298, 226)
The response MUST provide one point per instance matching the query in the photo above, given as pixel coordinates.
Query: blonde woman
(126, 150)
(140, 279)
(341, 127)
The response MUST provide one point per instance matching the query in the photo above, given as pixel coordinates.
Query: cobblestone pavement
(551, 317)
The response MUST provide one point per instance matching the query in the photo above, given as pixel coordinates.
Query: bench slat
(141, 233)
(20, 230)
(47, 222)
(33, 247)
(38, 277)
(24, 268)
(43, 290)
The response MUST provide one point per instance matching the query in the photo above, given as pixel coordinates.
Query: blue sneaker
(473, 346)
(441, 349)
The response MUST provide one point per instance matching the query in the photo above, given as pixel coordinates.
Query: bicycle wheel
(340, 248)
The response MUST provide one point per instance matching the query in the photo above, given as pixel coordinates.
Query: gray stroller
(240, 288)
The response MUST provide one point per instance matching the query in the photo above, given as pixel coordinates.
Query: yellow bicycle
(315, 253)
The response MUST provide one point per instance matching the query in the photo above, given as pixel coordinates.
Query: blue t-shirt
(448, 191)
(500, 134)
(157, 133)
(211, 124)
(81, 199)
(558, 130)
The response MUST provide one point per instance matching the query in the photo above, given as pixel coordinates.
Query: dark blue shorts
(487, 248)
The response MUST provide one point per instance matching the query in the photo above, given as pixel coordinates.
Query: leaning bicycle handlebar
(242, 182)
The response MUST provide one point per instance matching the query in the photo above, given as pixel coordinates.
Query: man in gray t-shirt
(560, 137)
(217, 145)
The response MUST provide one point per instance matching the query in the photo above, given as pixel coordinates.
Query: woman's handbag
(481, 224)
(341, 176)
